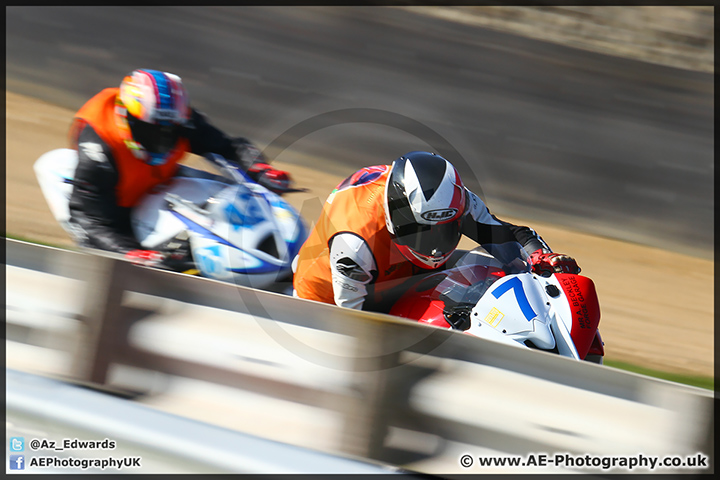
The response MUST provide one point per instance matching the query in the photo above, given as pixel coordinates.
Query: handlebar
(236, 174)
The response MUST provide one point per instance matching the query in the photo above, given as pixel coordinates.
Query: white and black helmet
(425, 202)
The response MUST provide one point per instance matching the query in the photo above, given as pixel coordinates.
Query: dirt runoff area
(677, 36)
(657, 306)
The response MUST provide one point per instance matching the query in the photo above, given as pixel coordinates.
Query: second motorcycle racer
(130, 140)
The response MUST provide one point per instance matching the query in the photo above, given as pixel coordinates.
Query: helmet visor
(155, 138)
(430, 240)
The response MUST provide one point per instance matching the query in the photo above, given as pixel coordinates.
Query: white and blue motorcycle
(225, 227)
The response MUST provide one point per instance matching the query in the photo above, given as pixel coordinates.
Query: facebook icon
(17, 462)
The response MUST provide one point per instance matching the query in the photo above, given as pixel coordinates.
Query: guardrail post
(382, 385)
(106, 321)
(364, 430)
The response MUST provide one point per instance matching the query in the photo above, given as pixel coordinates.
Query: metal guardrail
(401, 378)
(160, 440)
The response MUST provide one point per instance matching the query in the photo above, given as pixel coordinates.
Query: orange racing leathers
(110, 177)
(349, 258)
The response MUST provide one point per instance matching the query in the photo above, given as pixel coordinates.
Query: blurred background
(605, 144)
(596, 123)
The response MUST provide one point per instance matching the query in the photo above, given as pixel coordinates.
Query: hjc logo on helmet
(439, 215)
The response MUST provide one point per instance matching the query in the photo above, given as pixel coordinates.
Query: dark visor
(429, 240)
(154, 138)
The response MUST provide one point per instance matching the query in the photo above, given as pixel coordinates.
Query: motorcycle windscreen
(155, 222)
(427, 300)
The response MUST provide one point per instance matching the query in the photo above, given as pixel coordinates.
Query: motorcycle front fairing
(237, 231)
(155, 222)
(479, 296)
(574, 300)
(252, 238)
(514, 309)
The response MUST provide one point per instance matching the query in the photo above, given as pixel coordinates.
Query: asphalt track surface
(607, 145)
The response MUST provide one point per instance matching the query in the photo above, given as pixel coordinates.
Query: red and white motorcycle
(510, 304)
